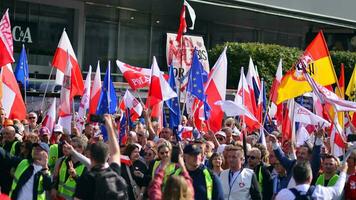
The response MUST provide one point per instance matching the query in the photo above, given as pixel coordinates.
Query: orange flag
(319, 66)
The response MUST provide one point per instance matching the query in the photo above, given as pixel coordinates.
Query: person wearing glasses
(32, 119)
(238, 182)
(254, 160)
(221, 137)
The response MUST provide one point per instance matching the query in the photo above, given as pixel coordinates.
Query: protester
(215, 163)
(303, 176)
(329, 175)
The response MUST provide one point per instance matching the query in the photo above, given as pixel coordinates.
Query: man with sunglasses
(261, 171)
(32, 119)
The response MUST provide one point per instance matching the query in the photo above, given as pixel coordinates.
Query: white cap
(58, 128)
(222, 133)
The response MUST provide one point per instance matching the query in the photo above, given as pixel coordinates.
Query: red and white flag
(65, 108)
(252, 81)
(301, 114)
(215, 89)
(337, 141)
(131, 103)
(12, 101)
(84, 103)
(243, 97)
(276, 110)
(6, 42)
(136, 77)
(288, 131)
(50, 119)
(232, 109)
(159, 87)
(60, 62)
(95, 91)
(182, 22)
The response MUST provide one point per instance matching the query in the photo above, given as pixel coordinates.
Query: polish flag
(253, 83)
(182, 22)
(95, 91)
(130, 102)
(337, 141)
(65, 108)
(215, 90)
(301, 114)
(50, 118)
(243, 97)
(60, 62)
(136, 77)
(159, 87)
(288, 122)
(11, 101)
(6, 42)
(275, 110)
(84, 103)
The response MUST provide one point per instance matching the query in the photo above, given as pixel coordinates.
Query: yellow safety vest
(260, 178)
(20, 169)
(52, 156)
(332, 181)
(209, 184)
(66, 187)
(13, 148)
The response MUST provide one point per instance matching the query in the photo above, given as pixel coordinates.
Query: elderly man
(10, 143)
(262, 173)
(32, 119)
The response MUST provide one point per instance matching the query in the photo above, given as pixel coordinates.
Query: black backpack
(306, 196)
(109, 185)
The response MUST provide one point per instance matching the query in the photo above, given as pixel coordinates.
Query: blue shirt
(199, 184)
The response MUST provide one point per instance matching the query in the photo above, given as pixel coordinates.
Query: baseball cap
(222, 133)
(44, 130)
(192, 149)
(58, 128)
(43, 146)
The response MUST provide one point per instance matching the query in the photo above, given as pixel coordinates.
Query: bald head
(9, 133)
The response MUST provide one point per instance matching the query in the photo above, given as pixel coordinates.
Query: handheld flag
(6, 42)
(351, 87)
(84, 103)
(50, 120)
(95, 91)
(317, 59)
(21, 71)
(182, 22)
(107, 102)
(136, 77)
(173, 104)
(132, 104)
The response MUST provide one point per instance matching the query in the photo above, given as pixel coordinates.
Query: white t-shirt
(26, 192)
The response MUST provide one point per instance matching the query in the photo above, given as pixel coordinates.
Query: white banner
(182, 60)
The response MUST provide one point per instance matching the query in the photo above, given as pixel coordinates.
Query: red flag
(95, 91)
(12, 101)
(50, 119)
(288, 121)
(65, 108)
(182, 25)
(131, 103)
(135, 76)
(60, 62)
(6, 42)
(159, 88)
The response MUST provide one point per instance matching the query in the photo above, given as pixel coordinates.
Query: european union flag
(196, 83)
(21, 71)
(107, 100)
(173, 104)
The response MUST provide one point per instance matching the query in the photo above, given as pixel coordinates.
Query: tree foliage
(266, 58)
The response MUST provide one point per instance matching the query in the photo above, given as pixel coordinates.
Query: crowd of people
(153, 163)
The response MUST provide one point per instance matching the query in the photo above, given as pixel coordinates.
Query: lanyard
(233, 177)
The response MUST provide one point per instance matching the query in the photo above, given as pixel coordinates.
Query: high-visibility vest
(170, 170)
(332, 181)
(260, 178)
(52, 156)
(20, 169)
(209, 184)
(66, 187)
(13, 148)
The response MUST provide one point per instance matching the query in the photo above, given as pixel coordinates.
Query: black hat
(192, 149)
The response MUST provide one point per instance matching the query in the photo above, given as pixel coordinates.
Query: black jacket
(267, 184)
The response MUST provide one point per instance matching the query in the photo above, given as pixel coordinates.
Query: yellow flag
(351, 87)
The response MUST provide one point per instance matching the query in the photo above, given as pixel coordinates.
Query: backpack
(109, 185)
(306, 196)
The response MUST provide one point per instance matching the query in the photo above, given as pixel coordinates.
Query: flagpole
(45, 92)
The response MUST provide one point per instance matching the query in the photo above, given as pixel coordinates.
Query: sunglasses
(32, 117)
(251, 157)
(164, 152)
(220, 138)
(148, 154)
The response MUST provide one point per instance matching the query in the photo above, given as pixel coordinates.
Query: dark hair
(309, 147)
(212, 158)
(99, 152)
(129, 149)
(302, 172)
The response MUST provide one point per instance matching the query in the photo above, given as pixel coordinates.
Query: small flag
(21, 71)
(107, 102)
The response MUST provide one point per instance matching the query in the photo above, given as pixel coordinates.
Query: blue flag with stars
(173, 104)
(107, 100)
(196, 83)
(21, 71)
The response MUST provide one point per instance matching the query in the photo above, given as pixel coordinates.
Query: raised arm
(283, 159)
(112, 140)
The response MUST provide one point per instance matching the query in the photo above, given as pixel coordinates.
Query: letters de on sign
(21, 34)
